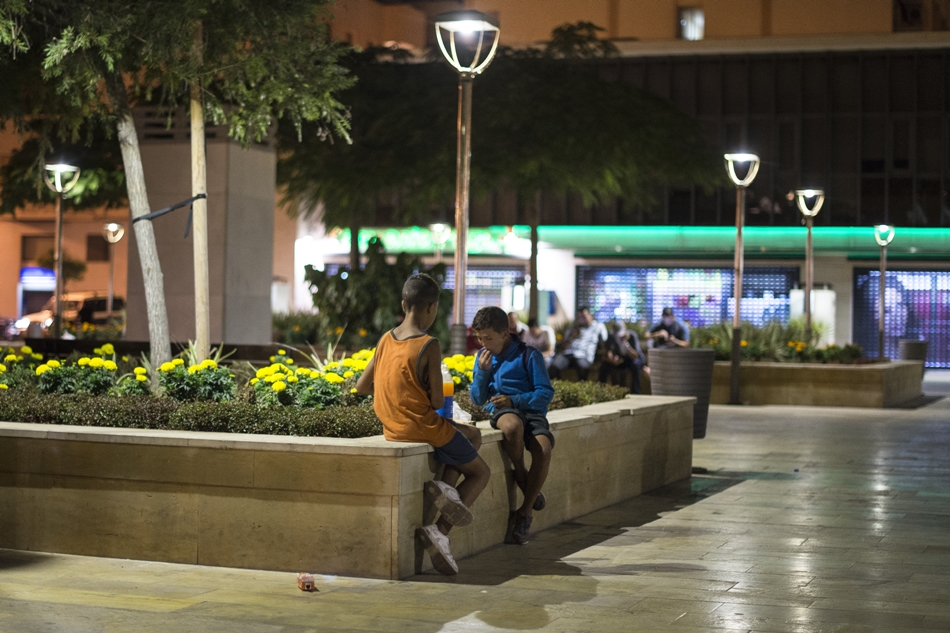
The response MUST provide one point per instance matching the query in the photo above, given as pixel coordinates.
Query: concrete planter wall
(873, 385)
(306, 504)
(684, 371)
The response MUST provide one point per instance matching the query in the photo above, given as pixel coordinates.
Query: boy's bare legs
(476, 474)
(531, 481)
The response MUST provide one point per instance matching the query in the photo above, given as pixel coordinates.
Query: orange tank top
(401, 403)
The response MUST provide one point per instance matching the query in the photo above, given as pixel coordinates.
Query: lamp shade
(113, 232)
(475, 33)
(733, 159)
(804, 195)
(61, 177)
(883, 234)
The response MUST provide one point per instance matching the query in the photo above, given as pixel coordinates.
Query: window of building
(97, 248)
(692, 24)
(33, 246)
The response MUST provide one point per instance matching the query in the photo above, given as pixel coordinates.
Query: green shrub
(578, 394)
(295, 328)
(204, 382)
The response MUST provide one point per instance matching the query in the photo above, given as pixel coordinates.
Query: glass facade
(484, 285)
(916, 306)
(699, 296)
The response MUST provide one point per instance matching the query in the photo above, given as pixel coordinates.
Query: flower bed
(280, 399)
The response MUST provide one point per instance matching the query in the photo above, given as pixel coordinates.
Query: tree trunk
(199, 236)
(354, 247)
(144, 234)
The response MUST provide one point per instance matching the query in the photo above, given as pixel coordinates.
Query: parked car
(77, 307)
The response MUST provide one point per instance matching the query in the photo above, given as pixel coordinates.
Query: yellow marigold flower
(9, 358)
(282, 352)
(108, 348)
(469, 375)
(333, 378)
(194, 369)
(209, 364)
(363, 332)
(141, 377)
(82, 362)
(347, 374)
(744, 343)
(95, 363)
(339, 330)
(347, 362)
(263, 372)
(26, 349)
(177, 362)
(110, 365)
(278, 386)
(3, 368)
(353, 390)
(140, 371)
(95, 350)
(292, 378)
(37, 357)
(53, 364)
(272, 377)
(272, 359)
(456, 380)
(125, 359)
(470, 363)
(3, 386)
(42, 369)
(333, 365)
(167, 366)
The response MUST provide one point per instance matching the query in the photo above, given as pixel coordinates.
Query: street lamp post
(60, 178)
(809, 203)
(113, 233)
(883, 235)
(734, 163)
(468, 31)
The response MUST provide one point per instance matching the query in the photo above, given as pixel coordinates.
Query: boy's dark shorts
(457, 452)
(534, 424)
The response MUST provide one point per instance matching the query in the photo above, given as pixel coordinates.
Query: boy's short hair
(420, 291)
(490, 318)
(532, 323)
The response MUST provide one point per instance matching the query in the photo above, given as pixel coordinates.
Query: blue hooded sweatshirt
(530, 390)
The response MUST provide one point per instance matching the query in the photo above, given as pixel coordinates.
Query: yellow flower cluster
(460, 364)
(106, 350)
(205, 364)
(282, 357)
(141, 374)
(279, 375)
(170, 365)
(798, 346)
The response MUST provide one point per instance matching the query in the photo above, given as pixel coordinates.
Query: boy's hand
(501, 401)
(484, 359)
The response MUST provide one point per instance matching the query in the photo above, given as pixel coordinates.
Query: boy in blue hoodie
(511, 382)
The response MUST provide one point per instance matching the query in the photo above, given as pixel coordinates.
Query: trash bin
(912, 349)
(684, 371)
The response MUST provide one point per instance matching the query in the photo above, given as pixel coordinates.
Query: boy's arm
(479, 391)
(365, 383)
(432, 367)
(542, 394)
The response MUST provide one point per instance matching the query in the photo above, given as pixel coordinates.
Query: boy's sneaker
(437, 544)
(522, 523)
(539, 503)
(446, 499)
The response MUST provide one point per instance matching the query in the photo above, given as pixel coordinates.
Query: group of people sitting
(622, 357)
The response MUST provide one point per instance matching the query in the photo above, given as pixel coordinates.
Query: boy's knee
(541, 448)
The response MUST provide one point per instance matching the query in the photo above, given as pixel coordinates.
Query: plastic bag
(460, 415)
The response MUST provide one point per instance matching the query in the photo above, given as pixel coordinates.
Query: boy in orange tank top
(405, 378)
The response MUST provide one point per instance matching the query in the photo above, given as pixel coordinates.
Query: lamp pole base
(459, 334)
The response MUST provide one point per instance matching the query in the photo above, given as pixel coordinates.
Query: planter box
(873, 385)
(324, 505)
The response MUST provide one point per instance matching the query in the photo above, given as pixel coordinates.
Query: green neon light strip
(685, 241)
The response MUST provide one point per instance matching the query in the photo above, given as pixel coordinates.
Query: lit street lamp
(60, 178)
(440, 235)
(883, 235)
(734, 167)
(113, 233)
(468, 31)
(815, 198)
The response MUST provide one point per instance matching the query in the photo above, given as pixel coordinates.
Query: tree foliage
(543, 120)
(358, 306)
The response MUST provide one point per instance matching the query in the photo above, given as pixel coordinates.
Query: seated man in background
(622, 357)
(669, 332)
(540, 339)
(580, 345)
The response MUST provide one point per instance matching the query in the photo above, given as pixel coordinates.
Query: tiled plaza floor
(806, 519)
